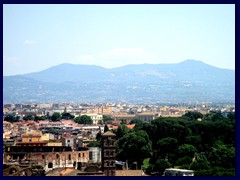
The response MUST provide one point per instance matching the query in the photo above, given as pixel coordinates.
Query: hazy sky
(36, 37)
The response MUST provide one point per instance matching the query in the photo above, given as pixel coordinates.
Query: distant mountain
(189, 80)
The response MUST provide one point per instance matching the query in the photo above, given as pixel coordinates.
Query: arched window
(50, 165)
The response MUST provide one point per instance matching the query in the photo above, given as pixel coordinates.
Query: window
(69, 157)
(83, 154)
(79, 154)
(43, 157)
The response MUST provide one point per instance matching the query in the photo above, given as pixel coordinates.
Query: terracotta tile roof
(44, 122)
(129, 173)
(130, 126)
(108, 133)
(123, 116)
(6, 122)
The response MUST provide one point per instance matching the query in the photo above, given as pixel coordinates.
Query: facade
(49, 156)
(108, 154)
(95, 154)
(95, 117)
(147, 117)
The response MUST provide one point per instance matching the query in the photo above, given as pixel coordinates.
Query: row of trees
(84, 119)
(206, 146)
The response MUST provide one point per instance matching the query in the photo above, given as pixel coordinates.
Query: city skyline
(116, 35)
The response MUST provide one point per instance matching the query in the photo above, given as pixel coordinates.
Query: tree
(161, 165)
(107, 119)
(135, 121)
(200, 162)
(121, 131)
(231, 115)
(84, 119)
(10, 118)
(106, 128)
(222, 156)
(94, 144)
(192, 115)
(39, 118)
(187, 150)
(135, 146)
(123, 121)
(167, 146)
(66, 115)
(56, 116)
(28, 117)
(214, 116)
(53, 131)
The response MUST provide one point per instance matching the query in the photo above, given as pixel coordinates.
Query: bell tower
(108, 153)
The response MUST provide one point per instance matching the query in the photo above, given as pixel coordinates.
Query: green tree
(231, 115)
(121, 131)
(187, 150)
(10, 118)
(39, 118)
(161, 165)
(84, 119)
(56, 116)
(107, 119)
(167, 146)
(214, 116)
(222, 156)
(53, 131)
(123, 121)
(183, 161)
(66, 115)
(201, 162)
(135, 146)
(106, 128)
(28, 117)
(94, 144)
(135, 121)
(192, 115)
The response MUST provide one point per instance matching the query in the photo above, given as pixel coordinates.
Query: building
(108, 154)
(147, 116)
(95, 117)
(49, 157)
(95, 154)
(32, 139)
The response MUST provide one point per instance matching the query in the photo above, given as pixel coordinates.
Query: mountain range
(188, 81)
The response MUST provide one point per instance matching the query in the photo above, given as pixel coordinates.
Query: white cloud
(29, 42)
(119, 57)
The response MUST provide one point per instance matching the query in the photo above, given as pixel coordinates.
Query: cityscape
(119, 90)
(65, 139)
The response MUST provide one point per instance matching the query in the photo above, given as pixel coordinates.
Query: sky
(36, 37)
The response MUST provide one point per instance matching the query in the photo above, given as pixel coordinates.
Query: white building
(95, 154)
(95, 117)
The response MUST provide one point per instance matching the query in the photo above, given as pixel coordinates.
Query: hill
(187, 81)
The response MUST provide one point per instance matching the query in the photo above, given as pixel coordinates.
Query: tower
(108, 153)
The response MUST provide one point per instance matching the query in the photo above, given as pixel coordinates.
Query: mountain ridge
(186, 81)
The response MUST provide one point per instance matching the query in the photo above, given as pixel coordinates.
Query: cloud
(119, 57)
(29, 42)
